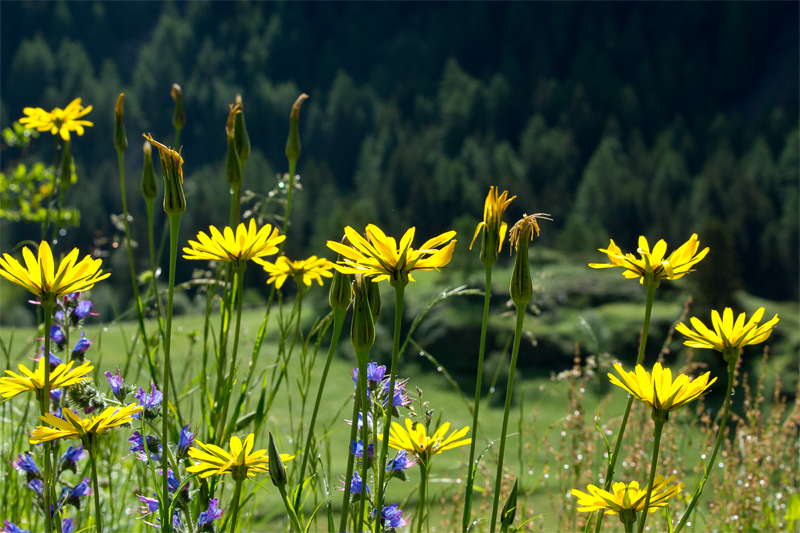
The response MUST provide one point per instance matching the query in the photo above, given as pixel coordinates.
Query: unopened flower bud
(172, 169)
(149, 188)
(240, 133)
(293, 143)
(120, 139)
(521, 234)
(277, 471)
(179, 118)
(362, 331)
(233, 166)
(509, 509)
(373, 297)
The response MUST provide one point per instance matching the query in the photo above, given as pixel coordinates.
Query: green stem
(720, 436)
(174, 228)
(46, 222)
(509, 394)
(237, 491)
(423, 495)
(472, 468)
(612, 461)
(292, 167)
(152, 244)
(628, 527)
(98, 514)
(289, 509)
(136, 296)
(653, 464)
(363, 356)
(44, 402)
(338, 321)
(399, 290)
(350, 461)
(239, 276)
(234, 221)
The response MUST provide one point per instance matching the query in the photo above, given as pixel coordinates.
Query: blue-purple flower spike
(73, 496)
(70, 458)
(185, 441)
(83, 309)
(25, 463)
(117, 384)
(149, 400)
(81, 346)
(207, 517)
(10, 527)
(357, 449)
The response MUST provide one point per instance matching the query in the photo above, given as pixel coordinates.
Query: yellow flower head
(305, 272)
(62, 376)
(627, 497)
(659, 391)
(413, 439)
(379, 255)
(58, 121)
(728, 336)
(494, 229)
(652, 262)
(74, 427)
(241, 462)
(525, 228)
(39, 276)
(246, 244)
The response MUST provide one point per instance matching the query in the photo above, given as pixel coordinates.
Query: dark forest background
(619, 119)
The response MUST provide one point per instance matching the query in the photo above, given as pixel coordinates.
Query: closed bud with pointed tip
(149, 187)
(373, 297)
(362, 330)
(509, 509)
(172, 169)
(178, 118)
(521, 234)
(233, 166)
(277, 471)
(240, 133)
(293, 143)
(120, 139)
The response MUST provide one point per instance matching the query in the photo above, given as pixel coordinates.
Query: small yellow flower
(675, 266)
(74, 427)
(58, 121)
(413, 439)
(39, 277)
(305, 272)
(494, 229)
(379, 255)
(659, 391)
(627, 497)
(62, 376)
(246, 244)
(728, 335)
(241, 462)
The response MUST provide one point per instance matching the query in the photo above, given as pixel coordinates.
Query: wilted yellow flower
(675, 266)
(58, 121)
(74, 427)
(659, 391)
(728, 336)
(311, 269)
(247, 243)
(241, 462)
(494, 229)
(379, 255)
(413, 439)
(39, 277)
(526, 228)
(62, 376)
(627, 497)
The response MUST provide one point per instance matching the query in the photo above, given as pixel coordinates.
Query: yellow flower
(413, 439)
(62, 376)
(494, 227)
(74, 427)
(306, 271)
(627, 497)
(728, 335)
(242, 462)
(58, 121)
(39, 278)
(675, 266)
(248, 243)
(379, 255)
(659, 391)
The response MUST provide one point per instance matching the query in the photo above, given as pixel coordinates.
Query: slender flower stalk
(239, 281)
(657, 430)
(98, 512)
(494, 230)
(350, 463)
(293, 150)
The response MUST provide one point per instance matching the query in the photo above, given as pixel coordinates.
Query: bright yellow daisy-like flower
(627, 497)
(494, 229)
(728, 336)
(311, 269)
(379, 255)
(74, 427)
(248, 243)
(675, 266)
(40, 278)
(58, 121)
(241, 462)
(659, 391)
(62, 376)
(413, 439)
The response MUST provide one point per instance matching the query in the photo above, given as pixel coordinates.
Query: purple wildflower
(57, 334)
(357, 449)
(355, 484)
(10, 527)
(69, 460)
(400, 396)
(73, 496)
(117, 385)
(80, 347)
(68, 525)
(59, 315)
(150, 504)
(204, 521)
(54, 359)
(392, 517)
(37, 486)
(185, 441)
(83, 309)
(25, 463)
(361, 420)
(401, 462)
(375, 374)
(153, 446)
(151, 401)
